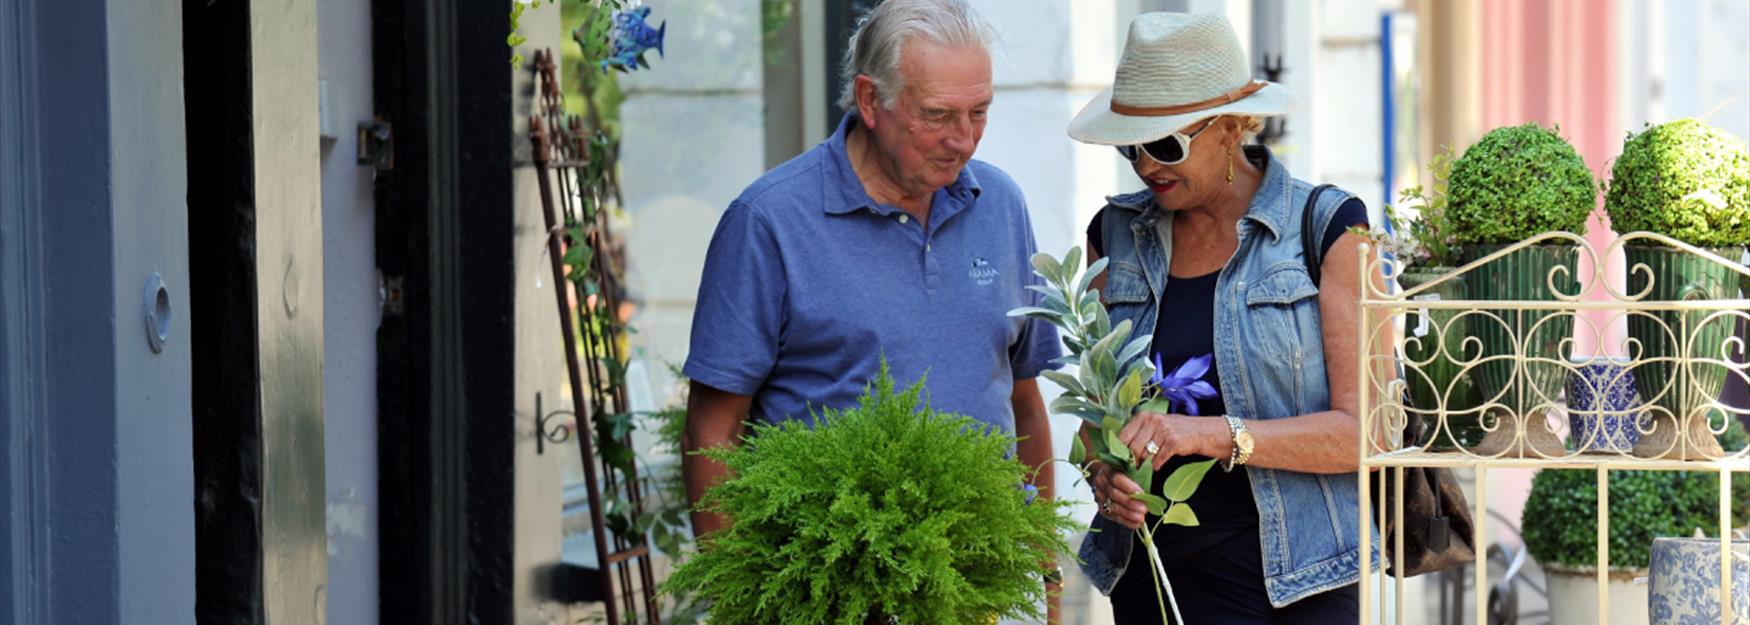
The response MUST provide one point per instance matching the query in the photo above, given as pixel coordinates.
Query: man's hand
(1053, 603)
(714, 419)
(1033, 427)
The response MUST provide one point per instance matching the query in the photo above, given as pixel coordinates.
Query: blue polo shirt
(809, 282)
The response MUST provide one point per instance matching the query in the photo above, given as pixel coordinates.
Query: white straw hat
(1177, 68)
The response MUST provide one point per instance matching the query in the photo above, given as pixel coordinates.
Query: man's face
(938, 118)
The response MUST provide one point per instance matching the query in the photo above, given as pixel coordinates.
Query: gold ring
(1152, 448)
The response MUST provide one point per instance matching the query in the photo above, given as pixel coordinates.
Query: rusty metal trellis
(562, 158)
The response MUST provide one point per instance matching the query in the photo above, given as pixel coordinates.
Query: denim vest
(1270, 360)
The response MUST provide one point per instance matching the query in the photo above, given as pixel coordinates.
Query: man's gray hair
(881, 36)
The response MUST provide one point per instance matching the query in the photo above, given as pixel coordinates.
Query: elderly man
(886, 240)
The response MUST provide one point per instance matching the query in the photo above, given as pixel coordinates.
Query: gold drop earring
(1230, 164)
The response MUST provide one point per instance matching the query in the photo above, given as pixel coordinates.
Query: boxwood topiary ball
(1684, 179)
(1518, 182)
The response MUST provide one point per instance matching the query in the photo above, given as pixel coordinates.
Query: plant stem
(1160, 575)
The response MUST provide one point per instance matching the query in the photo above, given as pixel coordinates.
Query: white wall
(1341, 128)
(351, 308)
(145, 168)
(694, 137)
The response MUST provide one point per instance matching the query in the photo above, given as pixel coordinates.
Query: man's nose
(962, 134)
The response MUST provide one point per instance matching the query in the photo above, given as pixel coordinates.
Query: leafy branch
(1114, 379)
(1427, 238)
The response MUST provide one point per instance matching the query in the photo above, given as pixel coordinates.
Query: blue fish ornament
(632, 36)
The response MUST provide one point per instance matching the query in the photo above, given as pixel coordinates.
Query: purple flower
(1032, 492)
(1185, 386)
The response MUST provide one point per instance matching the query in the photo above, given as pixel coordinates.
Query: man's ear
(867, 100)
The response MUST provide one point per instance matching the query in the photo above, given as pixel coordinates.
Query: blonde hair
(1250, 126)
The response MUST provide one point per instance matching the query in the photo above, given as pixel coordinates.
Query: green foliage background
(1685, 179)
(1561, 514)
(1518, 182)
(878, 509)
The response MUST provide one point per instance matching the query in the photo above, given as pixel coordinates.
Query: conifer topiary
(882, 509)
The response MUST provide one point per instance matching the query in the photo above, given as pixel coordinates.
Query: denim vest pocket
(1281, 320)
(1285, 283)
(1125, 284)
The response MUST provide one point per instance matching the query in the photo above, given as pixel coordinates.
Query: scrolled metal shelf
(1499, 383)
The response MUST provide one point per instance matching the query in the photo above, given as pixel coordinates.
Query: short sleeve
(740, 311)
(1096, 238)
(1352, 213)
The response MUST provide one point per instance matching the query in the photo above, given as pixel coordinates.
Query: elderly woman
(1209, 261)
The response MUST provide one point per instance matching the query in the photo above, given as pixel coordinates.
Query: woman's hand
(1112, 490)
(1170, 435)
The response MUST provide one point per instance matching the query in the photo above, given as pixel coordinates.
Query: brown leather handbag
(1436, 520)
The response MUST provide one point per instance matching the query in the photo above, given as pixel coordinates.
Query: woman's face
(1199, 179)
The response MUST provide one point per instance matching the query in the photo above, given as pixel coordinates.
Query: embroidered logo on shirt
(981, 272)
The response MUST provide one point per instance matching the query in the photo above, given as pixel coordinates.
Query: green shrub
(1560, 521)
(879, 509)
(1518, 182)
(1684, 179)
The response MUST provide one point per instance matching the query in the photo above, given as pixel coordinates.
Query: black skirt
(1223, 584)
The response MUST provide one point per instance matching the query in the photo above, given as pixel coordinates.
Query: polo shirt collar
(845, 193)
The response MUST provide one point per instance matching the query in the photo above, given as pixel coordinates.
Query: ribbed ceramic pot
(1676, 276)
(1684, 583)
(1530, 369)
(1433, 344)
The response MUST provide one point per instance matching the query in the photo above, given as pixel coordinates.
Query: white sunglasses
(1169, 150)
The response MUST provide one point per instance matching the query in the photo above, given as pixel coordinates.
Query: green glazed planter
(1679, 276)
(1522, 276)
(1439, 384)
(1744, 285)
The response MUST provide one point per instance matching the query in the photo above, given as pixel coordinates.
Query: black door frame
(445, 347)
(226, 373)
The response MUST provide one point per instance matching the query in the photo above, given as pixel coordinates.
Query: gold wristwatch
(1242, 444)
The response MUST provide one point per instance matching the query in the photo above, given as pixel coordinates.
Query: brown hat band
(1176, 109)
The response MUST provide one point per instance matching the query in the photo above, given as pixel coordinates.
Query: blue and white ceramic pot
(1685, 581)
(1604, 410)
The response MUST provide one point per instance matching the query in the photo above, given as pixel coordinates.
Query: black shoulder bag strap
(1437, 521)
(1309, 240)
